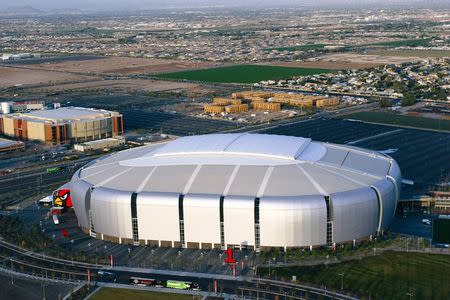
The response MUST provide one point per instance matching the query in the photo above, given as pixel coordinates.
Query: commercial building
(266, 106)
(21, 106)
(9, 145)
(100, 144)
(250, 191)
(63, 125)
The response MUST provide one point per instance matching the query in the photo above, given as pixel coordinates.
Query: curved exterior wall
(354, 214)
(111, 212)
(79, 190)
(386, 191)
(330, 194)
(293, 221)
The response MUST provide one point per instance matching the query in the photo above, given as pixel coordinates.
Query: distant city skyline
(158, 4)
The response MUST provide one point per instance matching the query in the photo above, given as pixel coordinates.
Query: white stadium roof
(239, 164)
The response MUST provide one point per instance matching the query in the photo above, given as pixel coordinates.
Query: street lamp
(410, 294)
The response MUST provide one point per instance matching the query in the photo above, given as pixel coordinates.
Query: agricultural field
(390, 275)
(128, 294)
(413, 53)
(243, 73)
(400, 120)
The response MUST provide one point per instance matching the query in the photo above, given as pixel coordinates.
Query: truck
(182, 285)
(145, 282)
(53, 170)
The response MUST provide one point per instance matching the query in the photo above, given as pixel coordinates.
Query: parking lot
(423, 156)
(205, 261)
(175, 124)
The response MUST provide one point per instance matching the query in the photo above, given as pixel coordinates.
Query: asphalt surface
(176, 124)
(423, 156)
(18, 288)
(39, 266)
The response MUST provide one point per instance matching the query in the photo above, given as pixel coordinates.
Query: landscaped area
(243, 73)
(125, 294)
(390, 275)
(402, 43)
(394, 119)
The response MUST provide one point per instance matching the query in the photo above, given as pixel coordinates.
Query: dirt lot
(322, 64)
(14, 76)
(413, 53)
(354, 61)
(121, 85)
(123, 66)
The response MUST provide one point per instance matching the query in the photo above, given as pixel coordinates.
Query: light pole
(43, 292)
(342, 280)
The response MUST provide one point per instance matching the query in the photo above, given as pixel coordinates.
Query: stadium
(253, 191)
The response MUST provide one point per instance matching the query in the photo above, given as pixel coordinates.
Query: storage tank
(5, 107)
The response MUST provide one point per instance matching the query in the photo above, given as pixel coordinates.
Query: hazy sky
(148, 4)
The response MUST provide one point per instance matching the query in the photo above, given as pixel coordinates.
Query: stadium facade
(237, 190)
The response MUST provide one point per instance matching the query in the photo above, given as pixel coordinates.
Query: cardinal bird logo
(61, 198)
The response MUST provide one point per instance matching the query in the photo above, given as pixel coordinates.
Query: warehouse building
(250, 191)
(63, 125)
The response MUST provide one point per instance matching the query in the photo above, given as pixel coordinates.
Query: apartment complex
(63, 125)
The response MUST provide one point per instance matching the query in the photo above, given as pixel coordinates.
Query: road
(24, 261)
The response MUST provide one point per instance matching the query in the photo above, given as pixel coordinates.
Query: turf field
(243, 73)
(124, 294)
(392, 119)
(390, 275)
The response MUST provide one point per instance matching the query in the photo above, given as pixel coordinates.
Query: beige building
(63, 125)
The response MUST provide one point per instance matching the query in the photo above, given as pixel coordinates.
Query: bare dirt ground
(356, 61)
(19, 76)
(123, 66)
(322, 64)
(413, 53)
(121, 85)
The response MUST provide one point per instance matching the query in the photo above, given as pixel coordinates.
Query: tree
(385, 102)
(408, 99)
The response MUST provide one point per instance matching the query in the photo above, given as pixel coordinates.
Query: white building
(237, 190)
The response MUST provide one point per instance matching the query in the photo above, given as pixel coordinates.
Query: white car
(426, 221)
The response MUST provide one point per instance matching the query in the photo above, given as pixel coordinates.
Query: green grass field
(124, 294)
(243, 73)
(402, 43)
(387, 276)
(392, 119)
